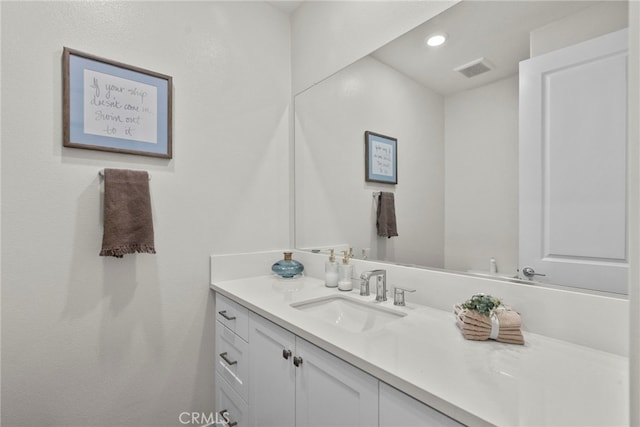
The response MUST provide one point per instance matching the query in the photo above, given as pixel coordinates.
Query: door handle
(226, 359)
(530, 272)
(224, 314)
(225, 415)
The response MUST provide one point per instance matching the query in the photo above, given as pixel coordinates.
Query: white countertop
(546, 382)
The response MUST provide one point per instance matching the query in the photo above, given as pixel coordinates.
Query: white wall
(329, 35)
(96, 341)
(597, 20)
(481, 177)
(334, 204)
(634, 199)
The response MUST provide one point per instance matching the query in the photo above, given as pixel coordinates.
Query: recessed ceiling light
(435, 39)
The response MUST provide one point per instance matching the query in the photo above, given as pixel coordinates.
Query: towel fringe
(119, 252)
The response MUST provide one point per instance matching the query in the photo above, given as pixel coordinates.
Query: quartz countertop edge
(424, 356)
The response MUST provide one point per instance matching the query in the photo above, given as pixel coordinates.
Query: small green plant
(482, 303)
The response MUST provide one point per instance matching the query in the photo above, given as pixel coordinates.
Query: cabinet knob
(286, 354)
(297, 361)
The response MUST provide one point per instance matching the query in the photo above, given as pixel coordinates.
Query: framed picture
(381, 158)
(115, 107)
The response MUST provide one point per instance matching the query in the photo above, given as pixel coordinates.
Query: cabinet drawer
(232, 359)
(229, 406)
(233, 316)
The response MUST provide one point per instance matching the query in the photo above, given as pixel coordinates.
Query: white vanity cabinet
(399, 410)
(293, 382)
(277, 379)
(421, 356)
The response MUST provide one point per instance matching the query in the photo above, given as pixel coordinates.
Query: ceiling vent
(474, 68)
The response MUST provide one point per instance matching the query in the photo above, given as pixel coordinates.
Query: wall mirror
(457, 127)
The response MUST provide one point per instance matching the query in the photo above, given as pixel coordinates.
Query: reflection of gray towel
(128, 226)
(386, 215)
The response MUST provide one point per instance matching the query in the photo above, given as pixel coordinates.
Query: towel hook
(101, 174)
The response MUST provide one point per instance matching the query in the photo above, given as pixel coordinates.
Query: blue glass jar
(287, 267)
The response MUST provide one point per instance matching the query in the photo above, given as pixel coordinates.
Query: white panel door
(573, 165)
(330, 392)
(272, 391)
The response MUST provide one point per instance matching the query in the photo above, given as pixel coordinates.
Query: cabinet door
(331, 392)
(272, 392)
(399, 410)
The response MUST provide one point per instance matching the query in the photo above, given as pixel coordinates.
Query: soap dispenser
(345, 271)
(331, 271)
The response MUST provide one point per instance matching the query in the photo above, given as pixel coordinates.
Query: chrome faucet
(381, 284)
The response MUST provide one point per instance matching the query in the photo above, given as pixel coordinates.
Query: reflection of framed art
(115, 107)
(381, 158)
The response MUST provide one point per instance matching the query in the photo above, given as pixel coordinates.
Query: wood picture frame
(111, 106)
(381, 158)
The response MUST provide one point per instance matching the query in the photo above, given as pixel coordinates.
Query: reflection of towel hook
(101, 174)
(376, 196)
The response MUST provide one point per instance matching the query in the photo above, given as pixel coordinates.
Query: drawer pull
(225, 415)
(297, 361)
(226, 359)
(286, 354)
(224, 314)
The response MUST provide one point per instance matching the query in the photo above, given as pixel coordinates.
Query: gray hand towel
(128, 225)
(386, 215)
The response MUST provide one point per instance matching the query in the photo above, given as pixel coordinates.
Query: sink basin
(349, 314)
